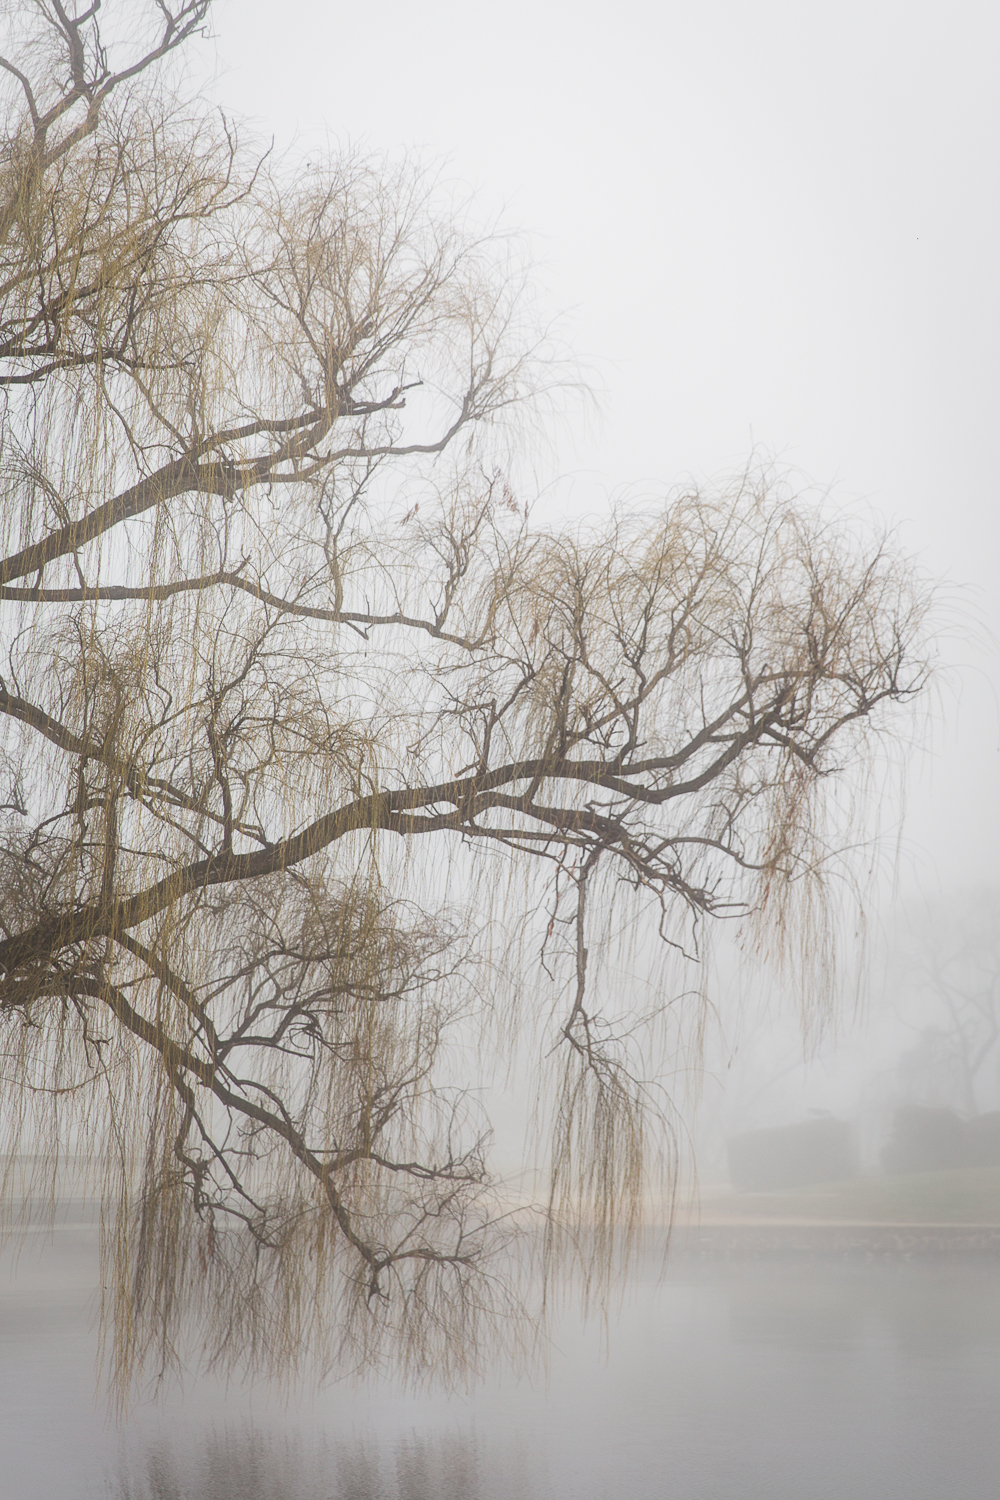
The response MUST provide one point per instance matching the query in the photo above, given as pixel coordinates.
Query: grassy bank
(968, 1196)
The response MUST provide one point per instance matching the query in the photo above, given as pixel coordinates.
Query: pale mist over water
(778, 1378)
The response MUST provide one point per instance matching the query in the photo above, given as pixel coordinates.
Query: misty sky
(772, 225)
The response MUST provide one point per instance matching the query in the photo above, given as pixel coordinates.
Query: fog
(768, 228)
(768, 234)
(841, 1376)
(766, 231)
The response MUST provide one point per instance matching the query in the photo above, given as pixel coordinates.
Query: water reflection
(241, 1465)
(751, 1381)
(248, 1464)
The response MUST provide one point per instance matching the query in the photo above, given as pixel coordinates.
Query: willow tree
(313, 745)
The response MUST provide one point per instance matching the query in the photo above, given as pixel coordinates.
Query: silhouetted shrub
(925, 1140)
(786, 1156)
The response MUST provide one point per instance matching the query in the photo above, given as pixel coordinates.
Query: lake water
(766, 1381)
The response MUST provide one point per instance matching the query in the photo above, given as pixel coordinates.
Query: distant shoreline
(859, 1241)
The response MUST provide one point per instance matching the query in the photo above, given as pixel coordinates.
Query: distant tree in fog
(951, 968)
(321, 761)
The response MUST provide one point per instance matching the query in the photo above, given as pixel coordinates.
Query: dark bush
(982, 1140)
(787, 1156)
(925, 1140)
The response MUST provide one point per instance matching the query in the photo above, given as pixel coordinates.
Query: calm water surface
(765, 1382)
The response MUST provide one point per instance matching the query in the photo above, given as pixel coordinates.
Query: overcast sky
(772, 225)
